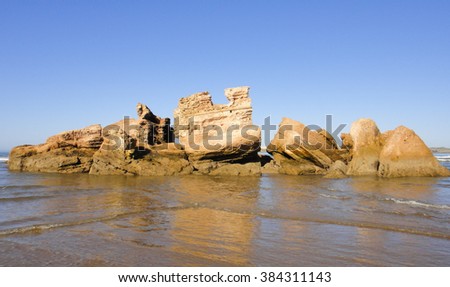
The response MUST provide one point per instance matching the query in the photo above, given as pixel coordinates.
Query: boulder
(365, 146)
(301, 150)
(405, 154)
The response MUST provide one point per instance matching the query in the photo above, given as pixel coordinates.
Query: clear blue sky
(69, 64)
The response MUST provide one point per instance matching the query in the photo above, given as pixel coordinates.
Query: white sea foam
(420, 204)
(334, 196)
(442, 157)
(3, 159)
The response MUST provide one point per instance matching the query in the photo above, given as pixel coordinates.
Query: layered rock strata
(215, 136)
(142, 146)
(297, 149)
(128, 147)
(67, 152)
(222, 140)
(145, 146)
(365, 151)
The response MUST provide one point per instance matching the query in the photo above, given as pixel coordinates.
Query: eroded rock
(140, 147)
(151, 128)
(67, 152)
(158, 160)
(221, 140)
(213, 135)
(300, 150)
(88, 137)
(405, 154)
(337, 170)
(365, 146)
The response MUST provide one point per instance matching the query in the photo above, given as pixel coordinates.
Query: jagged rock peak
(144, 112)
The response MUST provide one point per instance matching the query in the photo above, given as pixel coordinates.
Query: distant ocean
(444, 158)
(3, 156)
(273, 220)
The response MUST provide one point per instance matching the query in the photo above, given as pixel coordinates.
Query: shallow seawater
(84, 220)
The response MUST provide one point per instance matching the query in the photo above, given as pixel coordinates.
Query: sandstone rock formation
(269, 165)
(216, 135)
(158, 160)
(337, 170)
(89, 137)
(396, 153)
(129, 147)
(365, 145)
(405, 154)
(301, 150)
(297, 150)
(67, 152)
(140, 147)
(153, 129)
(145, 146)
(221, 140)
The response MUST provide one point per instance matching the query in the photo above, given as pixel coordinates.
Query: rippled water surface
(83, 220)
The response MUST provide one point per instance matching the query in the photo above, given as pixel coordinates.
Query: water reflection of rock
(118, 219)
(291, 197)
(105, 195)
(411, 188)
(116, 205)
(216, 221)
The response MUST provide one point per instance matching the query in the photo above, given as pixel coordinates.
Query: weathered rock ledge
(214, 140)
(222, 140)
